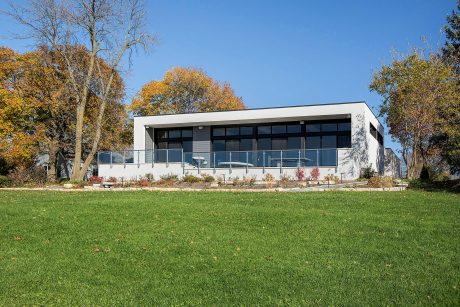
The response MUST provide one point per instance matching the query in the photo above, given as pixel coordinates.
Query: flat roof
(265, 108)
(261, 109)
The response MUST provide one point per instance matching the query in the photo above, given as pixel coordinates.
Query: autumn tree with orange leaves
(20, 110)
(185, 90)
(109, 30)
(38, 111)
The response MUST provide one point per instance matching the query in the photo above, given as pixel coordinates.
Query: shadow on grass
(435, 186)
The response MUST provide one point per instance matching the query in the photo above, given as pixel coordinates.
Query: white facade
(392, 164)
(365, 149)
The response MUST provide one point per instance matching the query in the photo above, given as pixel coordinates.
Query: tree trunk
(76, 170)
(52, 161)
(99, 123)
(97, 138)
(411, 166)
(78, 143)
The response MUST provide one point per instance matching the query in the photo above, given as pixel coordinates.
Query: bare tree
(109, 29)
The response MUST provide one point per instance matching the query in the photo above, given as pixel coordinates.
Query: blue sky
(277, 53)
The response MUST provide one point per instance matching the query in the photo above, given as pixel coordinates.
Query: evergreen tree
(451, 50)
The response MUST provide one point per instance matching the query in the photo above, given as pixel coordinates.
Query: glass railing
(224, 159)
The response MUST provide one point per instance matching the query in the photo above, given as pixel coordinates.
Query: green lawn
(221, 248)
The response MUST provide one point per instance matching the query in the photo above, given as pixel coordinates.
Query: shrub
(284, 180)
(380, 182)
(22, 175)
(169, 177)
(449, 185)
(269, 179)
(440, 176)
(425, 173)
(236, 181)
(331, 177)
(95, 179)
(191, 179)
(250, 181)
(314, 174)
(417, 184)
(149, 176)
(112, 179)
(77, 183)
(300, 174)
(144, 183)
(5, 182)
(368, 172)
(207, 178)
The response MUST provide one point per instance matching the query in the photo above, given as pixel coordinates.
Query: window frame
(258, 133)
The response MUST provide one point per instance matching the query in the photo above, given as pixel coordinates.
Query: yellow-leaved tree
(38, 110)
(185, 90)
(20, 110)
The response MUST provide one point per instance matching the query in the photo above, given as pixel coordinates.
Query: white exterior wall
(392, 164)
(365, 149)
(376, 151)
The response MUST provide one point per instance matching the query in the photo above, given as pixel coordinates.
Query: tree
(449, 139)
(108, 29)
(20, 111)
(185, 90)
(38, 110)
(451, 50)
(420, 99)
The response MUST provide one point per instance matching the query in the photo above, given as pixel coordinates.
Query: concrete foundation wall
(134, 172)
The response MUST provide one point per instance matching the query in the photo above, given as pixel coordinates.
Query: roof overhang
(267, 115)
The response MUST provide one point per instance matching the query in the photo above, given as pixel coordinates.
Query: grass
(211, 248)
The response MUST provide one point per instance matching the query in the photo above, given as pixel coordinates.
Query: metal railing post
(230, 165)
(298, 164)
(336, 159)
(281, 161)
(138, 158)
(214, 161)
(167, 157)
(153, 158)
(263, 161)
(247, 161)
(111, 159)
(182, 160)
(317, 157)
(199, 165)
(124, 158)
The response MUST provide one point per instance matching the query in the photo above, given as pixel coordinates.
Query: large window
(232, 145)
(178, 139)
(279, 129)
(373, 131)
(264, 129)
(313, 142)
(328, 134)
(283, 136)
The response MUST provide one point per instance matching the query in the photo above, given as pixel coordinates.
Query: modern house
(339, 138)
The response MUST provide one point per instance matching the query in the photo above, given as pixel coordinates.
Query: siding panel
(202, 139)
(148, 138)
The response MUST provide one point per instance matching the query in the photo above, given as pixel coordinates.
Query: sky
(280, 53)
